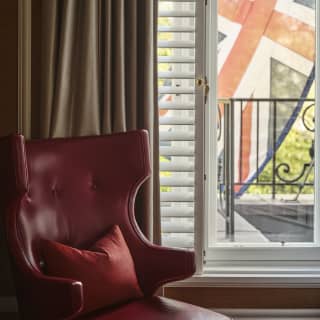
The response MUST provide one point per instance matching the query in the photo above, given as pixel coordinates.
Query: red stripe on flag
(292, 34)
(245, 151)
(244, 48)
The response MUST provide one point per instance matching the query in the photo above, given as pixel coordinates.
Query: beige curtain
(98, 76)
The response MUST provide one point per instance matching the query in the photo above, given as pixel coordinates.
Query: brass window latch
(203, 82)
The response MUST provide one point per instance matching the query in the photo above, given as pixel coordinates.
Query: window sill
(254, 278)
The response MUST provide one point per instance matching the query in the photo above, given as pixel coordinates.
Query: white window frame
(248, 267)
(200, 102)
(244, 259)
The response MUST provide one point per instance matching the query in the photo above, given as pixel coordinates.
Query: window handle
(203, 82)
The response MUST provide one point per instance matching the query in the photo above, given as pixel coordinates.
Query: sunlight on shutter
(176, 78)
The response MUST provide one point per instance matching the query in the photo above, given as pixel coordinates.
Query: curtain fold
(98, 76)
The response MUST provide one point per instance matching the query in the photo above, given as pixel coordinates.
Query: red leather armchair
(72, 190)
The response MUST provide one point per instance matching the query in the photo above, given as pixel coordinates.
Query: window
(238, 177)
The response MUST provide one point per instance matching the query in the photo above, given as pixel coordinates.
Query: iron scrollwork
(309, 124)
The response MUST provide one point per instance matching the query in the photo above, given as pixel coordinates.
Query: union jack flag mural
(266, 50)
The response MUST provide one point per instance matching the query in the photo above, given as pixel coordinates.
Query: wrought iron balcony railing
(255, 139)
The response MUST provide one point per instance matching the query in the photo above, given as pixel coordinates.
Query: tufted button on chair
(71, 190)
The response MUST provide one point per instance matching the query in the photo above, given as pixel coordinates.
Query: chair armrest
(52, 298)
(162, 265)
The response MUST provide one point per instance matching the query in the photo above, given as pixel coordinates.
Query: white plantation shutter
(176, 80)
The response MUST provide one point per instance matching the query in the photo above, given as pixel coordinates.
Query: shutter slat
(176, 151)
(176, 182)
(176, 90)
(176, 14)
(177, 166)
(176, 59)
(176, 120)
(176, 106)
(177, 212)
(176, 28)
(177, 136)
(177, 226)
(178, 240)
(177, 196)
(177, 1)
(176, 44)
(176, 75)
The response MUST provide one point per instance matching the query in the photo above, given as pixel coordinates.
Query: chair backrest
(70, 190)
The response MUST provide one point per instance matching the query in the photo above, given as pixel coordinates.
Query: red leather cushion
(108, 275)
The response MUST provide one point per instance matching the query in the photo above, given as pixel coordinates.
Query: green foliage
(164, 174)
(293, 151)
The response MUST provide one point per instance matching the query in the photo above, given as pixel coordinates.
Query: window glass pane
(307, 3)
(265, 159)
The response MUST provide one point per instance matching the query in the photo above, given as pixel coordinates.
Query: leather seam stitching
(134, 189)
